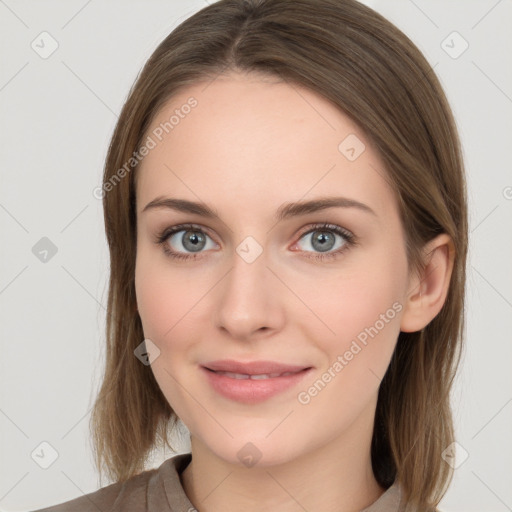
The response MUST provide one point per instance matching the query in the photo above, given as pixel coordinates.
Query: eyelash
(348, 237)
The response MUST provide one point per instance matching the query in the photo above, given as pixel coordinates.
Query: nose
(249, 301)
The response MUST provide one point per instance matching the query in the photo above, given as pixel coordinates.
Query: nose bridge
(248, 280)
(248, 300)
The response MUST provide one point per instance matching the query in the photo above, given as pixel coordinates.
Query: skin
(249, 146)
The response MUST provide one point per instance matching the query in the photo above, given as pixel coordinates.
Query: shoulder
(150, 489)
(108, 497)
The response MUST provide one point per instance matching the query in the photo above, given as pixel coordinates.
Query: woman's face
(262, 279)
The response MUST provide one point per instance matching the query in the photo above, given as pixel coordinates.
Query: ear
(427, 291)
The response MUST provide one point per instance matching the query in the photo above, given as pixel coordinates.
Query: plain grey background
(57, 114)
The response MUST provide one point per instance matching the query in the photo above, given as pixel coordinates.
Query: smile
(252, 388)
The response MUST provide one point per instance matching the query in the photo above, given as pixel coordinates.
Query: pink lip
(252, 391)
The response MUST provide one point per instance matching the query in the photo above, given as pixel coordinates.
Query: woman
(285, 208)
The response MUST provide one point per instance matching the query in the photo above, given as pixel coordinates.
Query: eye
(329, 240)
(322, 238)
(190, 237)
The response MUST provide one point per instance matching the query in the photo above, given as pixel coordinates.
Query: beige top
(160, 490)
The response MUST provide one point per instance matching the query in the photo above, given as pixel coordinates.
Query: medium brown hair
(372, 72)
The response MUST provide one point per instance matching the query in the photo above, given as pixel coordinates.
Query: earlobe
(428, 291)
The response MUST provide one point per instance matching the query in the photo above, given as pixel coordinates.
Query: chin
(255, 450)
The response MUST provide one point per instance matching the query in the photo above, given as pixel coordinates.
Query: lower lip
(252, 391)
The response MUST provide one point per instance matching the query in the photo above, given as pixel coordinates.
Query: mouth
(249, 383)
(253, 368)
(260, 376)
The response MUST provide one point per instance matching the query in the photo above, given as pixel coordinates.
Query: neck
(334, 477)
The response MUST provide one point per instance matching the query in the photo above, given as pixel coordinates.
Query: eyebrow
(284, 212)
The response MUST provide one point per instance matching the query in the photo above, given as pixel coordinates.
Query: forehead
(255, 138)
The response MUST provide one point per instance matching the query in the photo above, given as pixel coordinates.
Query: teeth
(254, 377)
(264, 376)
(234, 375)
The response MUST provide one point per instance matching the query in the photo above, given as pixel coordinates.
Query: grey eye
(191, 240)
(322, 240)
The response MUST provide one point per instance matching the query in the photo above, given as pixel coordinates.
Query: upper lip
(252, 367)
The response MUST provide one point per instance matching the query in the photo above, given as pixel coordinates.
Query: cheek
(159, 298)
(363, 304)
(364, 313)
(362, 308)
(171, 305)
(167, 304)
